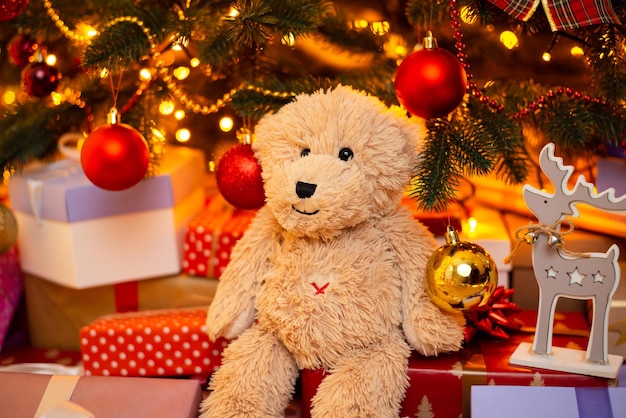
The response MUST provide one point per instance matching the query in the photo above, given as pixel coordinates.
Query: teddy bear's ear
(260, 140)
(414, 131)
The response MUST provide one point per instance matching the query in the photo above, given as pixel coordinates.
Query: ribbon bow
(492, 318)
(555, 238)
(562, 15)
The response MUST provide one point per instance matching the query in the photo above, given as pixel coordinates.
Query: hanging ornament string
(65, 30)
(555, 237)
(115, 89)
(494, 104)
(220, 103)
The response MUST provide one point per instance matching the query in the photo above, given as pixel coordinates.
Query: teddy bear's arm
(232, 310)
(427, 328)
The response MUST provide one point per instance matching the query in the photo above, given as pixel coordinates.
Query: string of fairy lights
(162, 60)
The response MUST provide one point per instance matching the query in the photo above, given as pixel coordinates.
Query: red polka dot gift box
(168, 342)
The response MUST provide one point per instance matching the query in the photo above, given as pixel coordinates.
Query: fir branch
(121, 44)
(30, 133)
(505, 138)
(256, 99)
(334, 29)
(471, 143)
(566, 123)
(217, 49)
(422, 13)
(607, 59)
(438, 174)
(252, 26)
(298, 17)
(117, 48)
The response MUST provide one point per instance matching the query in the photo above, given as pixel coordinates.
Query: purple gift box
(612, 173)
(61, 192)
(547, 402)
(11, 287)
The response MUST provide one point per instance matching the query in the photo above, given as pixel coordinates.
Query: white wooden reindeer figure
(592, 276)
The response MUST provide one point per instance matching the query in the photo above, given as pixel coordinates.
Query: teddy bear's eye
(305, 152)
(345, 154)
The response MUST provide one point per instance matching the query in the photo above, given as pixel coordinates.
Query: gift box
(28, 395)
(442, 384)
(611, 174)
(76, 234)
(11, 287)
(211, 235)
(56, 313)
(547, 402)
(36, 360)
(170, 342)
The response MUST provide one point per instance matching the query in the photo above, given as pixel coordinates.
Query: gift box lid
(102, 397)
(60, 191)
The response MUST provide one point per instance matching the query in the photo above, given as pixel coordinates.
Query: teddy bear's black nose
(305, 190)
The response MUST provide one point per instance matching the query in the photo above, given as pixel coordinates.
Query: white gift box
(75, 234)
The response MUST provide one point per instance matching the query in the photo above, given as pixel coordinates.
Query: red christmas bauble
(21, 48)
(115, 157)
(40, 79)
(11, 8)
(238, 177)
(430, 83)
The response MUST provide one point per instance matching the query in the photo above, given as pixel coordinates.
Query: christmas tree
(174, 69)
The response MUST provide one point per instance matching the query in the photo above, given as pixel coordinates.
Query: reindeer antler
(554, 169)
(549, 208)
(583, 191)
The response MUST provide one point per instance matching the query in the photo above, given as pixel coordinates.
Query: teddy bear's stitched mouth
(304, 212)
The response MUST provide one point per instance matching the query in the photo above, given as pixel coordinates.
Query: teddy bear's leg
(367, 384)
(256, 379)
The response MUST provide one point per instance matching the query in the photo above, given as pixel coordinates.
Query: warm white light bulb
(226, 124)
(183, 135)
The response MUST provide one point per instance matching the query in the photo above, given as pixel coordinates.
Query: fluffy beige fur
(334, 279)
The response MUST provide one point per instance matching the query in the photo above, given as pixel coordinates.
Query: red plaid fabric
(562, 14)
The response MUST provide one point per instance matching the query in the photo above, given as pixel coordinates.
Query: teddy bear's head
(333, 159)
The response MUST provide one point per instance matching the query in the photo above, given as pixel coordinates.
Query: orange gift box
(56, 313)
(167, 342)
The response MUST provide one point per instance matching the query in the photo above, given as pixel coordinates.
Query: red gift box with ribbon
(211, 235)
(441, 385)
(62, 396)
(166, 342)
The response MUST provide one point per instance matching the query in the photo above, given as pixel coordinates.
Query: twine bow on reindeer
(555, 237)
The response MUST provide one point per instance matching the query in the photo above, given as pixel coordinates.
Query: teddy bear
(330, 272)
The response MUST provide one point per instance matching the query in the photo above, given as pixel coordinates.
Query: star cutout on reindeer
(576, 277)
(598, 277)
(551, 273)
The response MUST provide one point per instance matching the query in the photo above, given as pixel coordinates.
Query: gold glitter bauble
(8, 229)
(460, 275)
